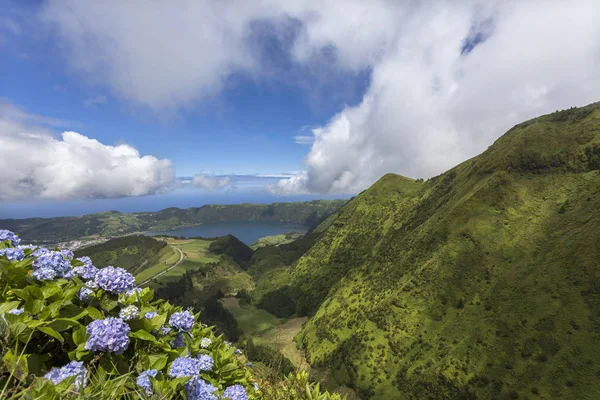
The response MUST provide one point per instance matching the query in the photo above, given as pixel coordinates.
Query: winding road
(164, 271)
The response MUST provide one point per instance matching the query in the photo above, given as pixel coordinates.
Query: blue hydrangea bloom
(235, 392)
(92, 284)
(150, 314)
(5, 235)
(199, 389)
(133, 291)
(12, 254)
(74, 368)
(182, 320)
(164, 330)
(205, 343)
(84, 293)
(67, 253)
(184, 366)
(52, 260)
(86, 271)
(40, 251)
(109, 335)
(255, 387)
(237, 351)
(128, 313)
(143, 380)
(179, 342)
(205, 362)
(16, 311)
(114, 280)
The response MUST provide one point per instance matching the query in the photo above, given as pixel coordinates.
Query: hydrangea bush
(69, 329)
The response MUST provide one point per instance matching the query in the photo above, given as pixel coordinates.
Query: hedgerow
(69, 330)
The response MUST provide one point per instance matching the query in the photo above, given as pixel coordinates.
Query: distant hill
(133, 253)
(480, 283)
(114, 223)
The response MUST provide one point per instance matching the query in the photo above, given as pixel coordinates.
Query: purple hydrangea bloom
(199, 389)
(86, 271)
(109, 335)
(237, 351)
(67, 253)
(5, 235)
(92, 284)
(205, 362)
(184, 366)
(74, 368)
(84, 293)
(182, 320)
(114, 280)
(40, 251)
(143, 380)
(12, 254)
(164, 330)
(52, 260)
(134, 291)
(235, 392)
(128, 313)
(150, 314)
(16, 311)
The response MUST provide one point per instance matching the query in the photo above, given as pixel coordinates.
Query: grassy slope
(483, 282)
(113, 223)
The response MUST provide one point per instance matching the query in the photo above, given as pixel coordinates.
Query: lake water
(247, 231)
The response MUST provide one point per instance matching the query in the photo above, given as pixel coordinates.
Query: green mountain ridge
(483, 282)
(114, 223)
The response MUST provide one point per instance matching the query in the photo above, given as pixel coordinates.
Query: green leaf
(79, 335)
(50, 290)
(95, 313)
(62, 324)
(21, 293)
(16, 365)
(6, 307)
(143, 335)
(107, 303)
(51, 332)
(158, 361)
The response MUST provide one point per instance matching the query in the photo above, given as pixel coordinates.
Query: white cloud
(429, 104)
(94, 101)
(40, 166)
(210, 182)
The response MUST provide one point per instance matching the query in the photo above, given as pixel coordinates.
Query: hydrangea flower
(92, 284)
(84, 293)
(205, 343)
(114, 280)
(133, 291)
(143, 380)
(249, 364)
(150, 314)
(199, 389)
(12, 254)
(16, 311)
(255, 387)
(67, 253)
(109, 335)
(179, 342)
(128, 313)
(74, 368)
(52, 265)
(237, 351)
(5, 235)
(40, 251)
(184, 366)
(235, 392)
(205, 362)
(164, 330)
(182, 320)
(86, 271)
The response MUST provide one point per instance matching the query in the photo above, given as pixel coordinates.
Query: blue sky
(248, 128)
(113, 99)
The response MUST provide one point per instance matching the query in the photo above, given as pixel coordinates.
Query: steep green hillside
(133, 253)
(114, 223)
(483, 282)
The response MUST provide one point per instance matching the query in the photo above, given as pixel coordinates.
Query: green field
(250, 319)
(168, 257)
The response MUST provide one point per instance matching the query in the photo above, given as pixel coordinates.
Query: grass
(167, 257)
(479, 283)
(250, 319)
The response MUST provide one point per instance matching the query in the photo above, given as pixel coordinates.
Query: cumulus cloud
(39, 166)
(210, 182)
(446, 77)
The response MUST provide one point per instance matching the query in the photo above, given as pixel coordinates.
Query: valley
(477, 283)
